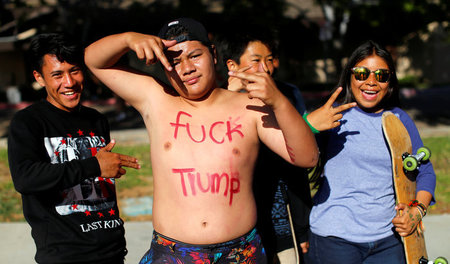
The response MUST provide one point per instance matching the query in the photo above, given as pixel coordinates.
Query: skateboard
(404, 163)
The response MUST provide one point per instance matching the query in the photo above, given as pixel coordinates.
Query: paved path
(17, 247)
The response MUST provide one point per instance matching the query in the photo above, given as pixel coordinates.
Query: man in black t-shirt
(61, 162)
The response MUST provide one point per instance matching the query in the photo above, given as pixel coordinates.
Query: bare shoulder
(239, 98)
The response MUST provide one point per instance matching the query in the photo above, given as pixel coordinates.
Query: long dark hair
(390, 100)
(367, 49)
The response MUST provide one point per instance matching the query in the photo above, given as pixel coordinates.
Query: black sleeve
(298, 192)
(105, 127)
(30, 165)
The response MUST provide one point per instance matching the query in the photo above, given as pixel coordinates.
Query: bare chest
(191, 133)
(204, 155)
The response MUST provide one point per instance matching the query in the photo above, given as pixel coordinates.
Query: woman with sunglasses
(354, 218)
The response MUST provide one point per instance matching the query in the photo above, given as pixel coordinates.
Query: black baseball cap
(195, 31)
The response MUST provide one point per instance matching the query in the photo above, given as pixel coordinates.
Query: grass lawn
(440, 157)
(138, 183)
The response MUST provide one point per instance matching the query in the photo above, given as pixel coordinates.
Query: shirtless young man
(204, 141)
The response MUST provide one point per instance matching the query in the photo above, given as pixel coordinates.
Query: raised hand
(327, 117)
(259, 85)
(111, 163)
(150, 48)
(236, 84)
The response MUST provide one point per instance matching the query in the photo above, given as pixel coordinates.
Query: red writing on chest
(212, 184)
(231, 128)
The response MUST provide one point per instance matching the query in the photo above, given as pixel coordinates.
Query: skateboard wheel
(440, 260)
(426, 151)
(410, 163)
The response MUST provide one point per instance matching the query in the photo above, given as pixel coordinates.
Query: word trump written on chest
(220, 132)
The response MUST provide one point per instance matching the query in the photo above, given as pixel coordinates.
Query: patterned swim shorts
(245, 249)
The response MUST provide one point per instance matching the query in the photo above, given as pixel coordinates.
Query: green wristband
(315, 131)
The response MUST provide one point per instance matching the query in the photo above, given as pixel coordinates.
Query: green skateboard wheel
(410, 163)
(426, 151)
(440, 260)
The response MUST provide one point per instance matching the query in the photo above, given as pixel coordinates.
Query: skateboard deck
(404, 184)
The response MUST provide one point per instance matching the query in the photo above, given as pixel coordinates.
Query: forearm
(300, 142)
(105, 52)
(424, 197)
(101, 58)
(37, 176)
(31, 168)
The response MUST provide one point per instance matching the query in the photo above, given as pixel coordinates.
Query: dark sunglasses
(362, 73)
